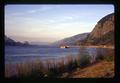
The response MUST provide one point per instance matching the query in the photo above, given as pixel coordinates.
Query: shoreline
(91, 46)
(112, 47)
(96, 70)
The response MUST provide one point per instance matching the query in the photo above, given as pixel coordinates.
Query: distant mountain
(11, 42)
(39, 43)
(103, 32)
(8, 40)
(71, 40)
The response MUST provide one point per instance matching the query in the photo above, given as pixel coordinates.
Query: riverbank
(102, 69)
(100, 46)
(93, 46)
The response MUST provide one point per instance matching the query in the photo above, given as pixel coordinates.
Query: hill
(71, 40)
(103, 32)
(11, 42)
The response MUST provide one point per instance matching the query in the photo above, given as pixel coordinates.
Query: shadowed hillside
(71, 40)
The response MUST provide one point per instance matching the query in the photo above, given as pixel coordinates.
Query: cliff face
(103, 33)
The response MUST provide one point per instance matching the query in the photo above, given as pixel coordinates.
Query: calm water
(16, 54)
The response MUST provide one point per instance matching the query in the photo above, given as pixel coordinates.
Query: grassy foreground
(102, 69)
(79, 67)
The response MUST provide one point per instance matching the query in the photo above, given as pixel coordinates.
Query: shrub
(53, 72)
(109, 58)
(99, 57)
(36, 74)
(105, 57)
(75, 64)
(70, 66)
(84, 60)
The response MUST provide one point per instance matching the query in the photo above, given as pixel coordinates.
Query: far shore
(99, 46)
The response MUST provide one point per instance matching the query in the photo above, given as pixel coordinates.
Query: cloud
(69, 17)
(60, 19)
(17, 14)
(51, 21)
(32, 11)
(41, 9)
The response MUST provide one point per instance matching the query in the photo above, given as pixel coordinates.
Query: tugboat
(64, 46)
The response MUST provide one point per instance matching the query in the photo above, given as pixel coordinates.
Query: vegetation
(55, 69)
(102, 69)
(50, 69)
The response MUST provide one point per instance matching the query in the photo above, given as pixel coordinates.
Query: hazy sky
(48, 23)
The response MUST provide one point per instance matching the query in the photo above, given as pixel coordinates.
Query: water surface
(17, 54)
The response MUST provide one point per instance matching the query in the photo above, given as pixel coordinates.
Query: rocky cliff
(103, 33)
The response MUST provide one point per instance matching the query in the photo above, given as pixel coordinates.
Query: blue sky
(49, 23)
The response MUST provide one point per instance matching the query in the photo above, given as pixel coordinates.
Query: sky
(49, 23)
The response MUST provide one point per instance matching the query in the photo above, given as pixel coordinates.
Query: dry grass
(55, 68)
(103, 69)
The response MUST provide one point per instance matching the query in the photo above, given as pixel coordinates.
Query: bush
(84, 60)
(36, 74)
(53, 72)
(109, 58)
(70, 66)
(99, 57)
(105, 58)
(75, 64)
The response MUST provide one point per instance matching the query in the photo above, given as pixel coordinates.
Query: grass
(102, 68)
(108, 57)
(54, 68)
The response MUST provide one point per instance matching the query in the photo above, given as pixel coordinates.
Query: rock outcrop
(103, 33)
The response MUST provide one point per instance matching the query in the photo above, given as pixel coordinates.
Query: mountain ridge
(103, 32)
(11, 42)
(71, 40)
